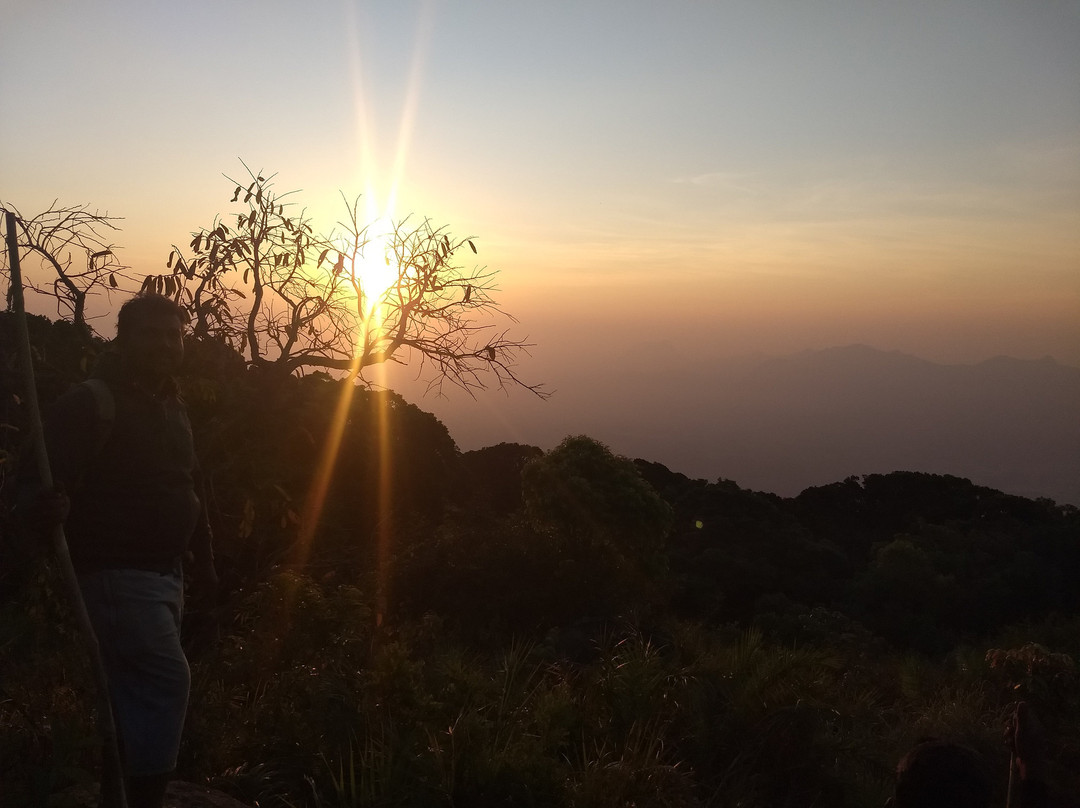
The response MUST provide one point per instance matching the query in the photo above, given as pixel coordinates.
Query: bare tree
(288, 298)
(79, 261)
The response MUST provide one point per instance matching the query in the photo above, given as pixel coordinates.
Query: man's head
(150, 336)
(936, 774)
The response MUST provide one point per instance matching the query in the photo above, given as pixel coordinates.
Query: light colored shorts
(136, 616)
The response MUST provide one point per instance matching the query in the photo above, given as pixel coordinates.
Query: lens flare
(376, 270)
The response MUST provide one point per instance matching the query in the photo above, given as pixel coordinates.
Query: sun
(375, 266)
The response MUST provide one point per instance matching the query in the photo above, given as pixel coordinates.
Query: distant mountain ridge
(783, 424)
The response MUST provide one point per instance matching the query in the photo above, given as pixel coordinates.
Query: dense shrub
(592, 632)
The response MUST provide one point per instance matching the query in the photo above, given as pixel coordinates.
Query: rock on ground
(181, 794)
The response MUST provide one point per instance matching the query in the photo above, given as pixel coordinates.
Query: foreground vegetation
(508, 627)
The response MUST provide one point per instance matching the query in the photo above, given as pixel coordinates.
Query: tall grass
(326, 711)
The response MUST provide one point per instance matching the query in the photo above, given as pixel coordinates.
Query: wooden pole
(105, 723)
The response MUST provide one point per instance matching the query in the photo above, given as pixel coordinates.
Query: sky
(660, 185)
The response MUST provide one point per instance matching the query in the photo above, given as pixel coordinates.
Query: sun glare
(376, 267)
(375, 270)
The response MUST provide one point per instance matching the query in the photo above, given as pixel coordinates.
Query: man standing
(121, 449)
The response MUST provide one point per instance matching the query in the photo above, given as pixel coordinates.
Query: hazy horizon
(819, 418)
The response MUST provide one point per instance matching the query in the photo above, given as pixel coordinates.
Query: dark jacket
(132, 483)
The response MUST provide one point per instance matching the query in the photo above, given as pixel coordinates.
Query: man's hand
(204, 585)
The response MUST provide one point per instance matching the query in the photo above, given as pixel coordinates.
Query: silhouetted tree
(71, 243)
(584, 491)
(904, 595)
(493, 475)
(287, 297)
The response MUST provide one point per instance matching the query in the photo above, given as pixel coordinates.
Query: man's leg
(136, 615)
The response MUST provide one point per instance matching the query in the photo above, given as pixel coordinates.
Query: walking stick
(111, 769)
(1012, 771)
